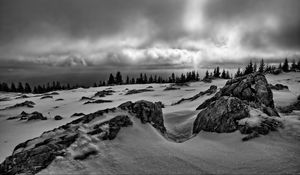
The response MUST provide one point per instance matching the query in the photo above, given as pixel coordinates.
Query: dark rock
(212, 89)
(5, 99)
(250, 136)
(221, 115)
(126, 106)
(278, 87)
(207, 80)
(251, 88)
(28, 104)
(150, 87)
(151, 113)
(98, 101)
(170, 88)
(59, 99)
(104, 93)
(35, 116)
(136, 91)
(46, 96)
(86, 98)
(58, 117)
(77, 114)
(233, 102)
(289, 108)
(22, 96)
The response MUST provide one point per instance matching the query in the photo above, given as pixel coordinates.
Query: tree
(279, 66)
(285, 66)
(13, 87)
(20, 87)
(145, 79)
(238, 73)
(255, 67)
(173, 78)
(293, 66)
(197, 76)
(261, 68)
(223, 75)
(111, 79)
(249, 68)
(217, 72)
(206, 75)
(27, 88)
(119, 79)
(127, 80)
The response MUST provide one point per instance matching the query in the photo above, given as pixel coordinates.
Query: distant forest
(148, 79)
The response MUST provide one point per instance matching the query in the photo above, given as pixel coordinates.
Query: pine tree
(261, 68)
(111, 79)
(293, 66)
(223, 75)
(173, 78)
(206, 75)
(118, 79)
(145, 79)
(238, 73)
(279, 66)
(20, 87)
(249, 68)
(197, 76)
(127, 80)
(13, 88)
(285, 66)
(27, 88)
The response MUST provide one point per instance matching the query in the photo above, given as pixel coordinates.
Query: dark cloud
(118, 32)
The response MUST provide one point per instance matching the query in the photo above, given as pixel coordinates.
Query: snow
(141, 149)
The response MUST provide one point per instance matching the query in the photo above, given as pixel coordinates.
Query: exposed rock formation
(86, 98)
(98, 101)
(46, 96)
(136, 91)
(278, 87)
(104, 93)
(36, 154)
(29, 104)
(252, 89)
(58, 117)
(245, 104)
(212, 89)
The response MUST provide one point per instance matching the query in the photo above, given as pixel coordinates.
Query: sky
(147, 33)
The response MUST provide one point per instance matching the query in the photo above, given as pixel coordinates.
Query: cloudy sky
(83, 33)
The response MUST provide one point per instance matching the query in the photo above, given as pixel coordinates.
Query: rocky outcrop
(290, 108)
(98, 101)
(86, 98)
(245, 104)
(29, 104)
(46, 96)
(32, 156)
(58, 117)
(137, 91)
(278, 87)
(212, 89)
(147, 112)
(104, 93)
(253, 89)
(221, 115)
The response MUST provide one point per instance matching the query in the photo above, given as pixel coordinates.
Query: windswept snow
(140, 149)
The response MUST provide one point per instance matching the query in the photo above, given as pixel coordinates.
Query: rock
(46, 96)
(250, 136)
(58, 117)
(212, 89)
(22, 96)
(278, 87)
(251, 88)
(98, 101)
(289, 108)
(149, 112)
(136, 91)
(170, 88)
(35, 116)
(150, 87)
(86, 98)
(28, 104)
(207, 80)
(77, 114)
(59, 99)
(221, 115)
(247, 99)
(104, 93)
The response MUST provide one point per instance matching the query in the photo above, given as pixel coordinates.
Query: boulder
(58, 117)
(98, 101)
(244, 103)
(35, 116)
(278, 87)
(104, 93)
(137, 91)
(221, 115)
(253, 89)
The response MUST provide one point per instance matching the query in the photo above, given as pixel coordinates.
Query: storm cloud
(143, 32)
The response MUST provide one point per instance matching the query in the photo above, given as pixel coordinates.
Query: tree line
(265, 68)
(144, 78)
